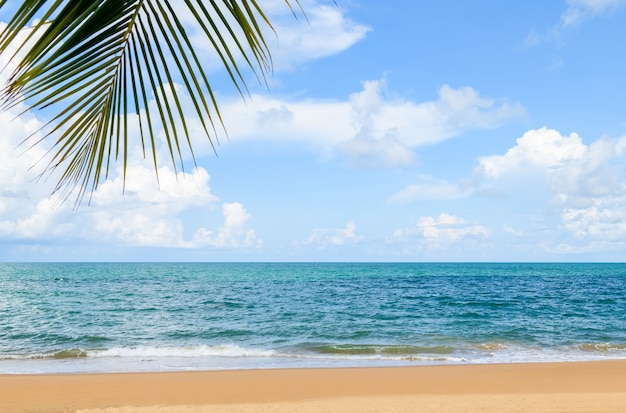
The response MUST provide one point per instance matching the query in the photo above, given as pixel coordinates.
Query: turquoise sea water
(161, 317)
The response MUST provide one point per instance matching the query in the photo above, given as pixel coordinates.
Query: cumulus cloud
(569, 167)
(556, 194)
(323, 238)
(25, 209)
(585, 186)
(233, 234)
(370, 127)
(370, 147)
(39, 221)
(590, 195)
(541, 148)
(599, 222)
(453, 113)
(174, 190)
(441, 232)
(141, 212)
(144, 214)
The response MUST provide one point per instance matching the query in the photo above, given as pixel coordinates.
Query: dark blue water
(155, 317)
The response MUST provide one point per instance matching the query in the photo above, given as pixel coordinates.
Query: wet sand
(541, 387)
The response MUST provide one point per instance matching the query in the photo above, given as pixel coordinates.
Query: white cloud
(585, 186)
(371, 147)
(324, 32)
(233, 233)
(137, 228)
(141, 214)
(598, 173)
(146, 214)
(174, 191)
(25, 209)
(323, 238)
(512, 231)
(435, 233)
(295, 40)
(570, 168)
(580, 10)
(455, 112)
(37, 222)
(602, 248)
(556, 195)
(541, 148)
(430, 189)
(370, 127)
(576, 13)
(591, 195)
(370, 152)
(598, 222)
(274, 119)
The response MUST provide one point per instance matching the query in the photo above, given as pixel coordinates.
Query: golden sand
(541, 387)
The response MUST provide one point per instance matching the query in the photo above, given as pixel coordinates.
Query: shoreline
(584, 386)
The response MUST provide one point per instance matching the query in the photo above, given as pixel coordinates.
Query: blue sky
(391, 131)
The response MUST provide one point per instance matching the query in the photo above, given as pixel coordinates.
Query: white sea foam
(234, 357)
(227, 350)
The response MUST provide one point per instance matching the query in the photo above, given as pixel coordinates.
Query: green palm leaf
(98, 63)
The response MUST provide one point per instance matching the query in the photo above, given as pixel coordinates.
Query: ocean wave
(343, 351)
(602, 347)
(146, 352)
(492, 346)
(227, 350)
(347, 352)
(376, 349)
(303, 355)
(56, 355)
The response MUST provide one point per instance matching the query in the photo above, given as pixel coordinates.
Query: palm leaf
(98, 63)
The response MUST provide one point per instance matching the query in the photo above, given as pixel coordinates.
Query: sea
(132, 317)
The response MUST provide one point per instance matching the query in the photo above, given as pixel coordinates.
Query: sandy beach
(541, 387)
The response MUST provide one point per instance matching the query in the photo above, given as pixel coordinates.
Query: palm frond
(98, 63)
